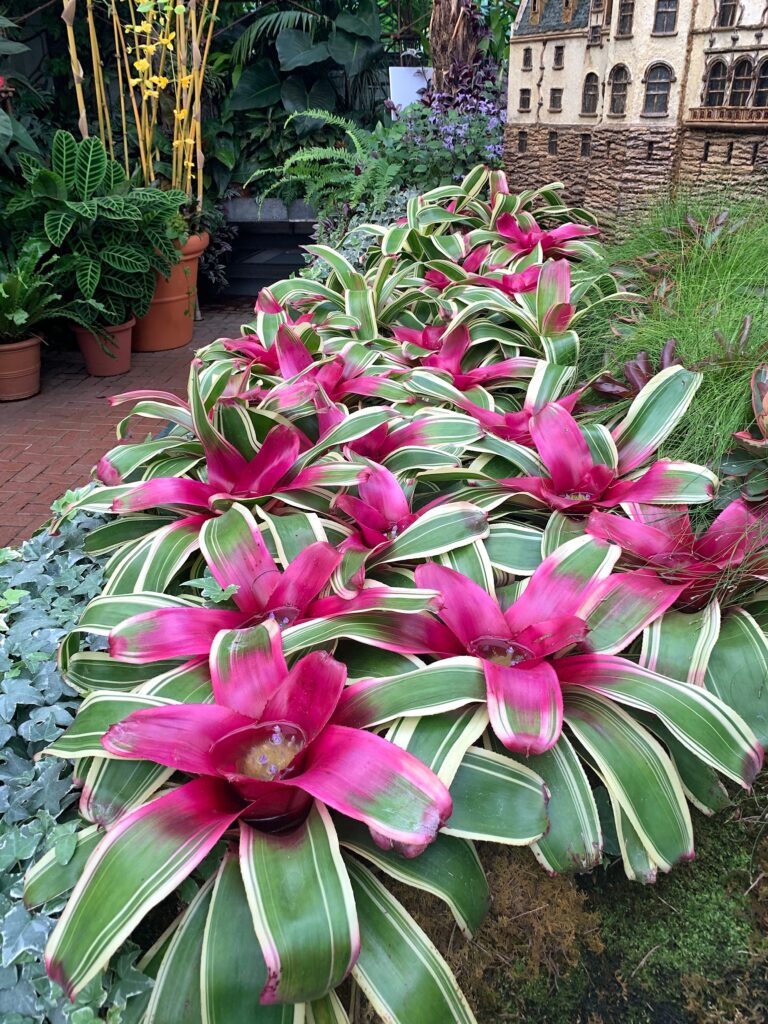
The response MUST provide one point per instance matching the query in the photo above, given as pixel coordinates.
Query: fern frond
(270, 25)
(362, 141)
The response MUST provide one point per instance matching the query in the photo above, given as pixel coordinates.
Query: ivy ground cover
(388, 590)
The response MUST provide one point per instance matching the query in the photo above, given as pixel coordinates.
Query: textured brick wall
(625, 168)
(737, 160)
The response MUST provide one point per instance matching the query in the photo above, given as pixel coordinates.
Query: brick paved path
(51, 442)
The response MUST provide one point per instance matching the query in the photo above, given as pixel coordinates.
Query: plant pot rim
(111, 328)
(196, 243)
(33, 339)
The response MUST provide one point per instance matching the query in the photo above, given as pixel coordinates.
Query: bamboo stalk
(68, 17)
(123, 118)
(127, 64)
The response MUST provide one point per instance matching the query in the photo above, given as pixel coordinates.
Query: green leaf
(302, 905)
(738, 670)
(449, 868)
(232, 968)
(399, 970)
(57, 225)
(296, 49)
(48, 879)
(174, 833)
(573, 841)
(497, 799)
(637, 773)
(90, 167)
(128, 258)
(439, 529)
(441, 741)
(176, 992)
(64, 157)
(259, 86)
(48, 185)
(654, 414)
(443, 686)
(353, 52)
(96, 714)
(87, 274)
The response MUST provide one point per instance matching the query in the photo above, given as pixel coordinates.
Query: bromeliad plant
(383, 591)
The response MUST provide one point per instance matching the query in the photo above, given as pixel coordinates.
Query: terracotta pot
(117, 357)
(19, 369)
(170, 321)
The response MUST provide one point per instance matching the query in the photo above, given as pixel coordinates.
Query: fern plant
(26, 296)
(110, 239)
(354, 168)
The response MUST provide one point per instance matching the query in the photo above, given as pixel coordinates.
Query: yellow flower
(185, 80)
(141, 65)
(180, 115)
(159, 80)
(133, 82)
(177, 144)
(149, 48)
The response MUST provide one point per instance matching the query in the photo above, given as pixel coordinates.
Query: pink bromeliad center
(500, 650)
(271, 750)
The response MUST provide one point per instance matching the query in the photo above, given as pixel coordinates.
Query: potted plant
(26, 300)
(110, 240)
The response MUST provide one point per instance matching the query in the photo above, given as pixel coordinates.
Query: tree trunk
(453, 39)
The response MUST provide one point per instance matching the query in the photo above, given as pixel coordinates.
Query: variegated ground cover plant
(382, 593)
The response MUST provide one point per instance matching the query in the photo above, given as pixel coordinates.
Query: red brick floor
(51, 442)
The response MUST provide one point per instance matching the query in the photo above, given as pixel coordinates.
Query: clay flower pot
(19, 369)
(107, 358)
(170, 321)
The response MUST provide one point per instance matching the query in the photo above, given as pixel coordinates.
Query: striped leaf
(637, 773)
(441, 741)
(654, 414)
(117, 887)
(699, 720)
(738, 670)
(497, 799)
(678, 644)
(514, 548)
(449, 868)
(155, 560)
(232, 968)
(399, 970)
(443, 686)
(439, 529)
(176, 992)
(327, 1010)
(96, 714)
(48, 878)
(302, 906)
(574, 840)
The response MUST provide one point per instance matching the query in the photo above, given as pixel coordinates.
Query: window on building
(741, 86)
(558, 61)
(665, 21)
(567, 10)
(658, 83)
(714, 93)
(595, 35)
(649, 151)
(619, 83)
(705, 152)
(761, 91)
(590, 94)
(556, 99)
(586, 145)
(729, 153)
(522, 142)
(726, 13)
(525, 99)
(754, 152)
(552, 144)
(527, 58)
(626, 17)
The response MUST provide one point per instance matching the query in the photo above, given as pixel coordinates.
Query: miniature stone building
(619, 99)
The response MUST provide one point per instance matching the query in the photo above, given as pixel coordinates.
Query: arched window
(726, 13)
(741, 86)
(761, 92)
(714, 94)
(591, 94)
(665, 21)
(619, 81)
(658, 82)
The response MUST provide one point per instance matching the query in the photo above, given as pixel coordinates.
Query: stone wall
(734, 160)
(622, 170)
